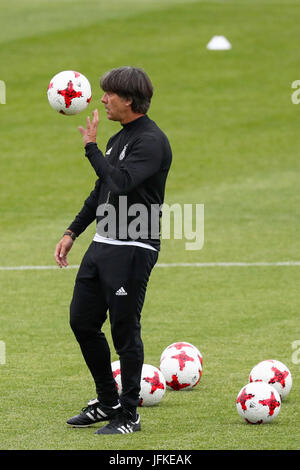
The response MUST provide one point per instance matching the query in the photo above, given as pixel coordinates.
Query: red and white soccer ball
(181, 366)
(116, 370)
(153, 386)
(179, 346)
(69, 92)
(274, 373)
(258, 403)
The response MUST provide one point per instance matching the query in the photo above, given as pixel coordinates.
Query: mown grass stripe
(170, 265)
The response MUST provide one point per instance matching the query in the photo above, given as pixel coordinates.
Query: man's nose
(104, 98)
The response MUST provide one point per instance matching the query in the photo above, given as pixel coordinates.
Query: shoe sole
(84, 425)
(79, 425)
(138, 428)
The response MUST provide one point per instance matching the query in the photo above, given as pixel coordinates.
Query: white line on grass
(169, 265)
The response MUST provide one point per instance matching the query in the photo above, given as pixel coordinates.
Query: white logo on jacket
(122, 154)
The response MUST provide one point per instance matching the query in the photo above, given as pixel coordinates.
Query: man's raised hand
(90, 133)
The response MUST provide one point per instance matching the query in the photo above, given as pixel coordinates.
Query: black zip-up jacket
(134, 171)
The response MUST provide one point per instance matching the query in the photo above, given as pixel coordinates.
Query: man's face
(117, 108)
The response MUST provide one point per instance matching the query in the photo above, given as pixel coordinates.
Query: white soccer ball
(153, 386)
(69, 92)
(181, 370)
(116, 370)
(274, 373)
(258, 403)
(179, 346)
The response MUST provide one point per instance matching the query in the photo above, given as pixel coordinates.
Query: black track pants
(113, 279)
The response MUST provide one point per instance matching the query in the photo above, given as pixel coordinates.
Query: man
(114, 271)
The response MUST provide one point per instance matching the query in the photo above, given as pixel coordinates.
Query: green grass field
(235, 138)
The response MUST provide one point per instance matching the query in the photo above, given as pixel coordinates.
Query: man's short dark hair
(129, 83)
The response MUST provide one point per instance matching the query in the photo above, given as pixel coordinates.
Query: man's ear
(128, 101)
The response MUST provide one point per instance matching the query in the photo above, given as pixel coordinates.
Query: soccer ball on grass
(181, 371)
(274, 373)
(182, 346)
(153, 384)
(258, 403)
(116, 370)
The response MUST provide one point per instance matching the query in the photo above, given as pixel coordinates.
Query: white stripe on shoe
(100, 413)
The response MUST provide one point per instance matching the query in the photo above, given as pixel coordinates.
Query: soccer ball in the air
(274, 373)
(182, 346)
(181, 369)
(258, 403)
(153, 386)
(69, 92)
